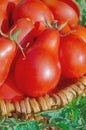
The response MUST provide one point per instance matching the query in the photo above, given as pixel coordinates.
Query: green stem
(14, 38)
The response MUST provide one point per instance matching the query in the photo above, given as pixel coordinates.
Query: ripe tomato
(37, 11)
(80, 31)
(48, 40)
(62, 12)
(7, 54)
(73, 56)
(3, 15)
(24, 26)
(25, 30)
(38, 74)
(8, 90)
(74, 5)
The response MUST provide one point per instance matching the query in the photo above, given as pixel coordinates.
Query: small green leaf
(82, 5)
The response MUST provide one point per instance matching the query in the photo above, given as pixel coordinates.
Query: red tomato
(37, 11)
(49, 40)
(14, 1)
(8, 91)
(80, 31)
(73, 56)
(73, 4)
(38, 74)
(24, 26)
(3, 15)
(62, 12)
(7, 54)
(6, 9)
(25, 30)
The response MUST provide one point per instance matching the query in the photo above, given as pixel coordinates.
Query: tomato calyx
(55, 24)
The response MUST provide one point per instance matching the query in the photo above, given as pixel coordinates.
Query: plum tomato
(48, 40)
(62, 12)
(24, 26)
(3, 15)
(37, 11)
(74, 5)
(7, 54)
(38, 74)
(72, 56)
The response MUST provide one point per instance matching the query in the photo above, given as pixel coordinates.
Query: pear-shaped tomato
(49, 40)
(38, 74)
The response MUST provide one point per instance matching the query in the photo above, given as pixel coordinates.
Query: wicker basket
(27, 107)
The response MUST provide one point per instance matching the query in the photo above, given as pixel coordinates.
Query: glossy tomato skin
(62, 12)
(7, 54)
(73, 4)
(73, 56)
(10, 7)
(3, 15)
(24, 28)
(80, 31)
(38, 74)
(14, 1)
(37, 11)
(48, 40)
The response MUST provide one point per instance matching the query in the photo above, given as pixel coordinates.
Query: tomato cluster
(40, 41)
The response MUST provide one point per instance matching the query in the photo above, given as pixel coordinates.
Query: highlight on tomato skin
(48, 40)
(7, 54)
(41, 71)
(14, 1)
(38, 74)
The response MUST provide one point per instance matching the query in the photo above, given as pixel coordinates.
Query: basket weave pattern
(27, 107)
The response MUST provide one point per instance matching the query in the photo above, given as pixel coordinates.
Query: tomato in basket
(40, 71)
(73, 56)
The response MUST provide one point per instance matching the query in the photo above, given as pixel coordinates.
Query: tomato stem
(4, 35)
(14, 38)
(48, 24)
(60, 27)
(72, 31)
(55, 24)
